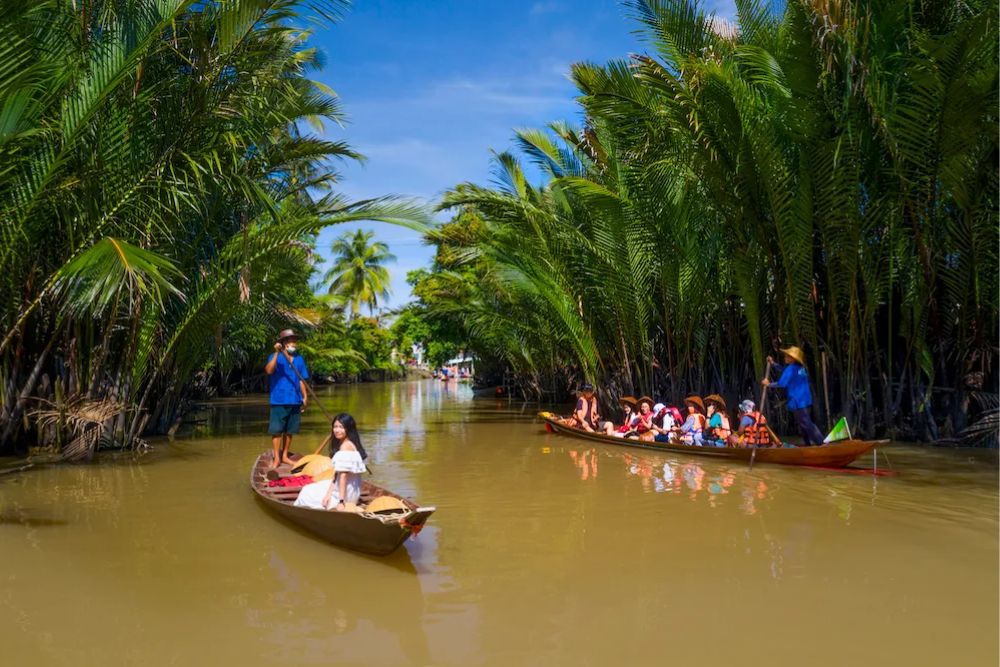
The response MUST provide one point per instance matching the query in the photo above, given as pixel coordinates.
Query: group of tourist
(705, 422)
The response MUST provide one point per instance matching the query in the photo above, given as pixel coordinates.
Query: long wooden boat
(833, 455)
(378, 533)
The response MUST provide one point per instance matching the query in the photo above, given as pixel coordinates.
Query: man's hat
(796, 354)
(287, 333)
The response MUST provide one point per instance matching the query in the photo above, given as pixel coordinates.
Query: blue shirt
(284, 383)
(795, 381)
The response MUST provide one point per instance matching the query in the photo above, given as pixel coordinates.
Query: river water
(543, 551)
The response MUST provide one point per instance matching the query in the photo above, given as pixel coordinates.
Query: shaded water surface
(544, 551)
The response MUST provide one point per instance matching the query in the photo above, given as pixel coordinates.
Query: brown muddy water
(544, 551)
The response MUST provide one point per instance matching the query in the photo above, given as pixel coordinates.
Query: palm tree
(819, 173)
(155, 174)
(358, 273)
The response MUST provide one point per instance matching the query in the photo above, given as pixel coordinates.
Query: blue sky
(431, 87)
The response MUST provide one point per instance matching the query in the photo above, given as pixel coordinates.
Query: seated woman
(690, 432)
(628, 420)
(664, 423)
(348, 457)
(753, 430)
(643, 427)
(718, 430)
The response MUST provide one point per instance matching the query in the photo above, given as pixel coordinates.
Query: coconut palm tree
(358, 273)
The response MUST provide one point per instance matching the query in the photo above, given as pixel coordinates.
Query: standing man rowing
(795, 381)
(287, 373)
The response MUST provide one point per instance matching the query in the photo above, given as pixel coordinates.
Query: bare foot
(288, 461)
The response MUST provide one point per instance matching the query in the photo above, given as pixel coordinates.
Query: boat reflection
(694, 481)
(586, 461)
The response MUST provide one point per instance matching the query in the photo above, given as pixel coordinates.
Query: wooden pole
(763, 398)
(763, 390)
(826, 392)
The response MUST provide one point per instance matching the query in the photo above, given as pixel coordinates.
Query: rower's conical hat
(796, 354)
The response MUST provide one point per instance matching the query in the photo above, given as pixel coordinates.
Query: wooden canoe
(833, 455)
(373, 533)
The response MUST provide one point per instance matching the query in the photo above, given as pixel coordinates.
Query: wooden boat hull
(833, 455)
(369, 533)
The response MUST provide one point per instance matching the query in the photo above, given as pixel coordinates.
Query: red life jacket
(627, 426)
(645, 422)
(676, 414)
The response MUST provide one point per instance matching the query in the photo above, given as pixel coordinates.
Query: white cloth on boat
(346, 463)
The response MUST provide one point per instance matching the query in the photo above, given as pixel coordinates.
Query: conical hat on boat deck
(315, 466)
(386, 504)
(718, 400)
(796, 354)
(696, 402)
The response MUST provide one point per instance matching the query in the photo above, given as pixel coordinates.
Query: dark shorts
(284, 419)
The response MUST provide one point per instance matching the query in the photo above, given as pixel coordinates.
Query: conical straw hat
(385, 504)
(718, 400)
(796, 354)
(696, 402)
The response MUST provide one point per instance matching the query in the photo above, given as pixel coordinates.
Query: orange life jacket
(590, 411)
(756, 434)
(724, 431)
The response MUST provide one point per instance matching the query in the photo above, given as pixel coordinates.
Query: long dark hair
(351, 430)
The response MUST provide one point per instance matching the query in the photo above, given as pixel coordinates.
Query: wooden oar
(760, 408)
(311, 391)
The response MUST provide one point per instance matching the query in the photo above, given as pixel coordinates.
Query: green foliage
(818, 174)
(159, 198)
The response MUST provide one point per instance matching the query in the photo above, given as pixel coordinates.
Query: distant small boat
(833, 455)
(378, 533)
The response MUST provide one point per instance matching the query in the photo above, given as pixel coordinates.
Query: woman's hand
(766, 382)
(326, 501)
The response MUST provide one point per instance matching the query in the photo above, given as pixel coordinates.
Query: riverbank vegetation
(163, 177)
(821, 174)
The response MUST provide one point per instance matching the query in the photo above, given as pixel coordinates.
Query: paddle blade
(841, 431)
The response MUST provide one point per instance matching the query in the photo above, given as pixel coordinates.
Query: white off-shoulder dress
(350, 463)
